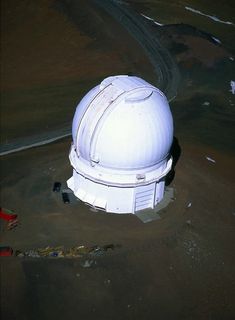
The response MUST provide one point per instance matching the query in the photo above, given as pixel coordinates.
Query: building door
(144, 197)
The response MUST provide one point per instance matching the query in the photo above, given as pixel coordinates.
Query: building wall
(116, 199)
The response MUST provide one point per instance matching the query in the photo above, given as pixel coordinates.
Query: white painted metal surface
(122, 133)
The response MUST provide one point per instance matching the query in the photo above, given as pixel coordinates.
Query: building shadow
(175, 152)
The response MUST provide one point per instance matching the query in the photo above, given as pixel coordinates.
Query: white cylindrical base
(116, 199)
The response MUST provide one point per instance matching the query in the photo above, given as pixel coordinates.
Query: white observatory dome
(122, 133)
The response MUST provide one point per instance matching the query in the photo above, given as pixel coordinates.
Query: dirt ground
(178, 267)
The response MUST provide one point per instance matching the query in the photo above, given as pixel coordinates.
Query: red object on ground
(6, 251)
(7, 216)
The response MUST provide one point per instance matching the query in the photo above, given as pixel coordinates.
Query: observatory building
(122, 133)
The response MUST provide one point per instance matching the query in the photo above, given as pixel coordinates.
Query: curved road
(140, 28)
(163, 64)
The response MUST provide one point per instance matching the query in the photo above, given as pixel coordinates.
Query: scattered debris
(210, 159)
(191, 248)
(87, 264)
(232, 84)
(30, 253)
(61, 252)
(206, 103)
(189, 205)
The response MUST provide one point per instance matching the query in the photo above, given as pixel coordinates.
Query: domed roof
(124, 124)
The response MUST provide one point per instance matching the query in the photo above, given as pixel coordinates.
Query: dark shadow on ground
(175, 152)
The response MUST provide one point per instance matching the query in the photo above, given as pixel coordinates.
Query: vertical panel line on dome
(106, 113)
(83, 116)
(94, 134)
(92, 154)
(96, 112)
